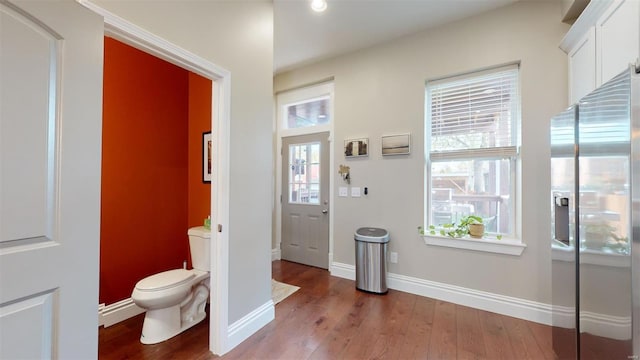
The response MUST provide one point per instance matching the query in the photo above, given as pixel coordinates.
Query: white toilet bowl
(175, 300)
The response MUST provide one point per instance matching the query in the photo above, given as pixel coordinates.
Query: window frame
(510, 243)
(301, 96)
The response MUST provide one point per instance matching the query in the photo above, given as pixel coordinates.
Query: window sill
(504, 246)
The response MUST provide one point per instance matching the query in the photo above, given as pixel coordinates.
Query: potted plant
(475, 225)
(467, 225)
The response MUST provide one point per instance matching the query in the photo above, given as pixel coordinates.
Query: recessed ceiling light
(319, 5)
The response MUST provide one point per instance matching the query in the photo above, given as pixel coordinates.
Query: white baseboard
(276, 254)
(500, 304)
(114, 313)
(240, 330)
(614, 327)
(249, 324)
(344, 271)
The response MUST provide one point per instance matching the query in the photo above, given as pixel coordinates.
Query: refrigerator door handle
(561, 217)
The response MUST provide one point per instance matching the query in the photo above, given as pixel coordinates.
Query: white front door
(50, 142)
(305, 204)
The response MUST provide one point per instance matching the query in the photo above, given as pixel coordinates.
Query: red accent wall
(199, 122)
(144, 169)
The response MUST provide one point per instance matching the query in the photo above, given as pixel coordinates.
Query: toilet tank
(200, 246)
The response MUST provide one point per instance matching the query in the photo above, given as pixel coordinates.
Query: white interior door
(50, 143)
(305, 202)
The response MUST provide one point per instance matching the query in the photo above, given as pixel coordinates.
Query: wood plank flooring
(329, 319)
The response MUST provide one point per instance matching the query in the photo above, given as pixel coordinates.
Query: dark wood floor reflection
(328, 319)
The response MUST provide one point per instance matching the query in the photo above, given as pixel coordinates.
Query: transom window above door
(305, 111)
(308, 113)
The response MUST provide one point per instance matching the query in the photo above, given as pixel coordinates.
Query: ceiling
(303, 36)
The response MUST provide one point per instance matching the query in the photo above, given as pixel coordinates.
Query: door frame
(131, 34)
(305, 92)
(306, 211)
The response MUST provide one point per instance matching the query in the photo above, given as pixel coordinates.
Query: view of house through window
(304, 173)
(471, 138)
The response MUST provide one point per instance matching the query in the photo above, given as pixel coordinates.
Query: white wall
(237, 36)
(381, 91)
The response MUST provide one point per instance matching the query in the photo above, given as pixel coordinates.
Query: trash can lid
(370, 234)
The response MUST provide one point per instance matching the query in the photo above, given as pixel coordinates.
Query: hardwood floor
(329, 319)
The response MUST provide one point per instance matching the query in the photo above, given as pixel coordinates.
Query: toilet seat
(165, 280)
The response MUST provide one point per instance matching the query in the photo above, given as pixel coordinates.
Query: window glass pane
(310, 113)
(304, 193)
(314, 192)
(304, 173)
(314, 173)
(293, 193)
(472, 187)
(315, 153)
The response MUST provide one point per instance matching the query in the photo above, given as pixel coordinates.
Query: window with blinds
(472, 132)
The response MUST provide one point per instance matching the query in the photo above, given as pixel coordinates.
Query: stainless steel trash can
(371, 259)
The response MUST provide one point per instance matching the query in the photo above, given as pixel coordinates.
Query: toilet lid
(165, 280)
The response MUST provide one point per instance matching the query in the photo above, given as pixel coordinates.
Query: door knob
(325, 211)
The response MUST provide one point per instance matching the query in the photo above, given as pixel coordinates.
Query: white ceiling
(303, 36)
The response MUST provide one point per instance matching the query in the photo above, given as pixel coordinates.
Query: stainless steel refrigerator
(595, 202)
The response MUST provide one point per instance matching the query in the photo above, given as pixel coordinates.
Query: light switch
(355, 191)
(343, 191)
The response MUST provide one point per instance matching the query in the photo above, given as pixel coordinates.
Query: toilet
(174, 300)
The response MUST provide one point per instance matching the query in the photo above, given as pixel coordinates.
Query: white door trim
(125, 31)
(304, 93)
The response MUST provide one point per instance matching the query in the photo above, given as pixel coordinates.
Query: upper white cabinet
(582, 66)
(602, 42)
(618, 34)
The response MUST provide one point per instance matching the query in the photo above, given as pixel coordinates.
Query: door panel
(618, 38)
(294, 230)
(26, 195)
(50, 133)
(305, 201)
(315, 228)
(35, 341)
(605, 297)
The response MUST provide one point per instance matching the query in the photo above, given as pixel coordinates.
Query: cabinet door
(582, 67)
(618, 32)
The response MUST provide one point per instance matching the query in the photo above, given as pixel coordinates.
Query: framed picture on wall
(396, 145)
(356, 147)
(207, 157)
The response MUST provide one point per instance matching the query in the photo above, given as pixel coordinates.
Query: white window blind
(474, 112)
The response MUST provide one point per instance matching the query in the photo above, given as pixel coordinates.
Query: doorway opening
(130, 34)
(304, 220)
